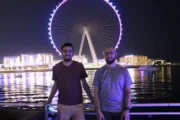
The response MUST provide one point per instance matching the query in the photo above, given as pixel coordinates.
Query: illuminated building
(81, 58)
(159, 62)
(37, 59)
(134, 60)
(29, 60)
(12, 61)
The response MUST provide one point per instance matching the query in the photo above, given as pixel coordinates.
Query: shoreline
(94, 68)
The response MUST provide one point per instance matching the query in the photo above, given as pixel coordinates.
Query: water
(149, 86)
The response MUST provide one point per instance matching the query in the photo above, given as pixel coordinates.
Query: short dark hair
(67, 45)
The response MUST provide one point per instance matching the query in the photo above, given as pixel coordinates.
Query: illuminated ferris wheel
(93, 24)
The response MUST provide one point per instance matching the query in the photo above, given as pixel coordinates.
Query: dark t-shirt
(69, 82)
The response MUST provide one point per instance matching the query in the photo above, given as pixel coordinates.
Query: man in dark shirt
(67, 76)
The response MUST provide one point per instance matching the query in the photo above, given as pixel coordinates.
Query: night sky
(150, 27)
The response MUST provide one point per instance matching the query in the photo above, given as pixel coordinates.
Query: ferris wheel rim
(64, 1)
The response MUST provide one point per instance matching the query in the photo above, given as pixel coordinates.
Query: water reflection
(148, 86)
(25, 87)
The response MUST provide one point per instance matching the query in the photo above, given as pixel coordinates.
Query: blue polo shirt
(111, 82)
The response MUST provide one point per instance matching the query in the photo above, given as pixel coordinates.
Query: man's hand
(87, 90)
(125, 115)
(92, 101)
(46, 103)
(100, 116)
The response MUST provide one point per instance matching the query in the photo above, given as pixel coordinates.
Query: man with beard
(112, 89)
(67, 76)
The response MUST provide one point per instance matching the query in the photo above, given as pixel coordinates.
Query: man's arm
(127, 95)
(87, 90)
(96, 98)
(127, 102)
(53, 92)
(127, 89)
(97, 103)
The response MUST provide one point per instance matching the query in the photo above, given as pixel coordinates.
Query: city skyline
(76, 57)
(45, 61)
(149, 28)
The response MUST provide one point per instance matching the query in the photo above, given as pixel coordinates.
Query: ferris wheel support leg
(81, 45)
(94, 56)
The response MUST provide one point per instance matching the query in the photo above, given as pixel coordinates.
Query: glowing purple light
(155, 113)
(50, 23)
(55, 10)
(119, 19)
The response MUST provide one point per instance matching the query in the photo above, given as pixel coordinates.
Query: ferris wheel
(93, 24)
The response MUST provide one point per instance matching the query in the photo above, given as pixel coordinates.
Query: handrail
(134, 105)
(155, 113)
(145, 113)
(156, 105)
(28, 104)
(91, 105)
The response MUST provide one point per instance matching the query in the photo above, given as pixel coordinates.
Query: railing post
(46, 112)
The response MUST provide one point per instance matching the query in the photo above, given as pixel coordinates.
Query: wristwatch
(127, 108)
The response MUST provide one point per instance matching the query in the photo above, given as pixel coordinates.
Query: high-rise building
(12, 61)
(134, 60)
(29, 60)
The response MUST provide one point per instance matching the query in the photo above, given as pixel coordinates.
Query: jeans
(111, 115)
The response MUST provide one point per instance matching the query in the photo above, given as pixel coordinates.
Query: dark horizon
(150, 28)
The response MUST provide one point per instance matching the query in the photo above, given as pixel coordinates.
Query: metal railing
(21, 104)
(93, 113)
(133, 106)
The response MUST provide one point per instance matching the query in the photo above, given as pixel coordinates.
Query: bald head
(110, 55)
(108, 49)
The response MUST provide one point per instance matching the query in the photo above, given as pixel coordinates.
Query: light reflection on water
(34, 87)
(25, 87)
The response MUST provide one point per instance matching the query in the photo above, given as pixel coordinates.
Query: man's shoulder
(76, 63)
(101, 69)
(119, 67)
(57, 65)
(116, 67)
(122, 70)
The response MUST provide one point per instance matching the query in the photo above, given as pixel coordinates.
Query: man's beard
(67, 59)
(110, 61)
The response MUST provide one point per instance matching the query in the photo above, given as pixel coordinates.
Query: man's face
(67, 53)
(110, 55)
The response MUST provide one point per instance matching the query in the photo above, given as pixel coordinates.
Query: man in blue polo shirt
(112, 89)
